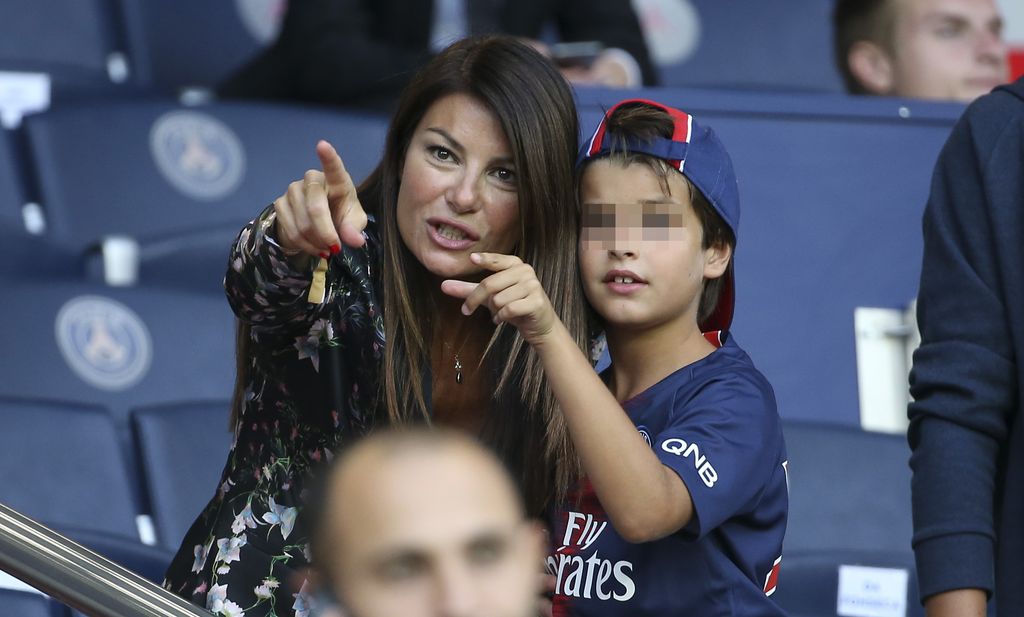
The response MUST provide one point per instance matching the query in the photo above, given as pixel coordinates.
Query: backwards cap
(697, 153)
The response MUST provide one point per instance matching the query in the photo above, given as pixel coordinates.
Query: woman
(342, 330)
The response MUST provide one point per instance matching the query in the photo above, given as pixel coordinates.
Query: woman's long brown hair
(535, 108)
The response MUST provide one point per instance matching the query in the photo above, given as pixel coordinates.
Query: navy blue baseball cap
(697, 153)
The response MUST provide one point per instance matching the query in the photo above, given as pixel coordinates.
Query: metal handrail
(80, 578)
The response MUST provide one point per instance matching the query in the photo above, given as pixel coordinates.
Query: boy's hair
(638, 122)
(860, 20)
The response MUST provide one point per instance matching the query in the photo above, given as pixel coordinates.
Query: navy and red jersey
(715, 423)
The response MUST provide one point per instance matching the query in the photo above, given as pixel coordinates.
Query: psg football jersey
(715, 423)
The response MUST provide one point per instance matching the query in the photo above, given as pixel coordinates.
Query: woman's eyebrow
(454, 143)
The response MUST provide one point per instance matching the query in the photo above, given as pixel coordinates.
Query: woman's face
(458, 193)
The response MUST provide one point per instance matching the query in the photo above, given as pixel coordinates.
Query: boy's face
(640, 250)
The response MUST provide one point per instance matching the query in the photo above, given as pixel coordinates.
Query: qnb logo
(589, 577)
(704, 469)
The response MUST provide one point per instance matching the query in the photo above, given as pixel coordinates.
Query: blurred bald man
(427, 523)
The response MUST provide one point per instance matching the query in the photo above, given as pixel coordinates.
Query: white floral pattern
(288, 428)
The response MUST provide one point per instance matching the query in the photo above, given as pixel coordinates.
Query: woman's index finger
(338, 180)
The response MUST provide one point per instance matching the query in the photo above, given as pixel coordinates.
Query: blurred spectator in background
(423, 522)
(932, 49)
(363, 52)
(968, 377)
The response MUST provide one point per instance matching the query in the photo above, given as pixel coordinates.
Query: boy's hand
(512, 294)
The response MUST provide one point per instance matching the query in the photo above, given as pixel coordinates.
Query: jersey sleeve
(724, 441)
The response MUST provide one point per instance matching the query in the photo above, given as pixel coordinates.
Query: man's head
(933, 49)
(427, 523)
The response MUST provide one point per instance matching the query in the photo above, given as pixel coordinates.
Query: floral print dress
(312, 380)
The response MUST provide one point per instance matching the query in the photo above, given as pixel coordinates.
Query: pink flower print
(201, 552)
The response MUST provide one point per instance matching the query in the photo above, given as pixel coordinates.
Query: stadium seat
(115, 348)
(784, 46)
(221, 36)
(810, 584)
(180, 180)
(832, 191)
(148, 561)
(849, 489)
(182, 449)
(62, 463)
(21, 603)
(76, 42)
(12, 195)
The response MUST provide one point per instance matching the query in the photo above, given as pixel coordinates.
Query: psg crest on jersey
(104, 342)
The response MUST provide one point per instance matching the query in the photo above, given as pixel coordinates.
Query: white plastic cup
(120, 261)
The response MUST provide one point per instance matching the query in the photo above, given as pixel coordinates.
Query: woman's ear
(872, 66)
(716, 260)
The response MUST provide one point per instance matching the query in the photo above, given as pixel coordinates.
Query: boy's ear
(872, 66)
(716, 260)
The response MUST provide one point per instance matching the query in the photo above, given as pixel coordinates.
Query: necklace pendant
(458, 370)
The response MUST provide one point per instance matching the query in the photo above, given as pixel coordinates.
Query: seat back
(190, 43)
(848, 583)
(115, 348)
(63, 465)
(783, 46)
(76, 42)
(180, 180)
(21, 602)
(848, 489)
(182, 449)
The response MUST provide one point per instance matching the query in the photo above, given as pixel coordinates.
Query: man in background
(930, 49)
(427, 523)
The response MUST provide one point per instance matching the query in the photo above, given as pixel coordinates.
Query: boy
(683, 449)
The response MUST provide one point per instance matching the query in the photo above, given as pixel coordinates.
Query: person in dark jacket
(363, 52)
(968, 379)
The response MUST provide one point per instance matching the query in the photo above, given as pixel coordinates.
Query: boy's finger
(491, 286)
(457, 289)
(495, 262)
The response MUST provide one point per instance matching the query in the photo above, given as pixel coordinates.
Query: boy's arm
(644, 499)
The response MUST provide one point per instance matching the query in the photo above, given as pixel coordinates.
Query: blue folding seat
(115, 348)
(180, 180)
(63, 463)
(194, 43)
(147, 561)
(12, 196)
(783, 46)
(182, 449)
(75, 42)
(832, 190)
(810, 584)
(848, 489)
(20, 603)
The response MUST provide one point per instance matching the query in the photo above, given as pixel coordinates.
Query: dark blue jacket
(968, 378)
